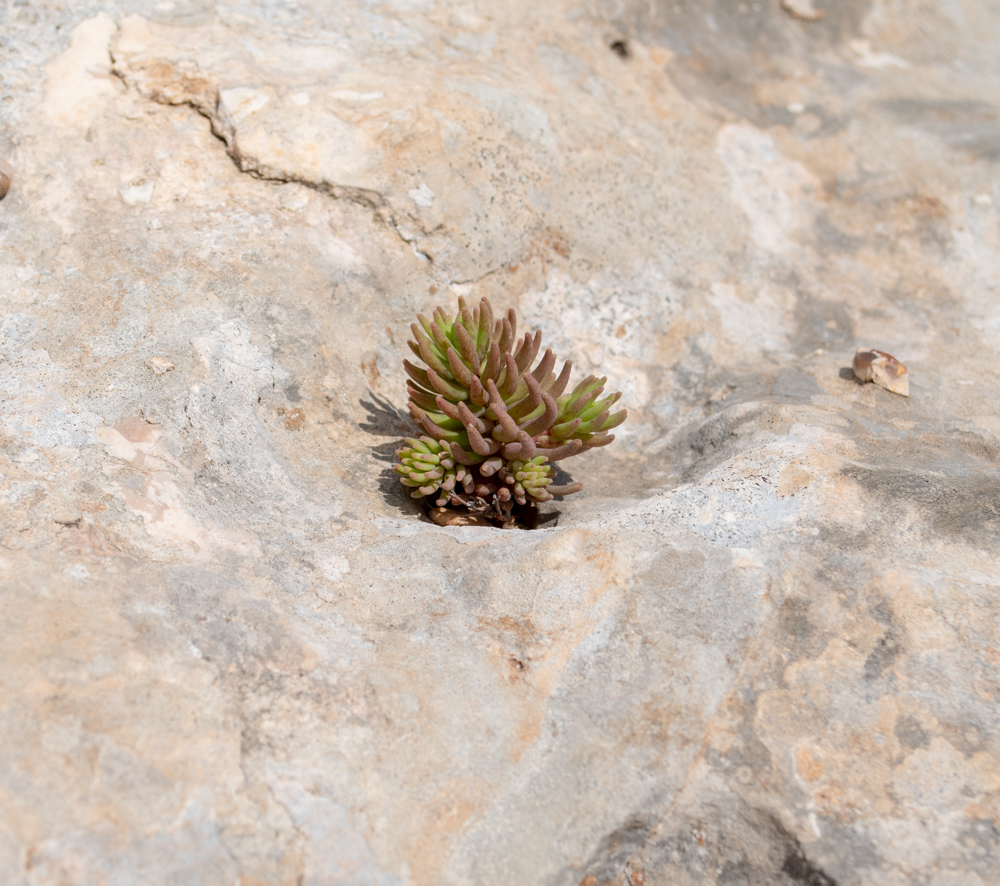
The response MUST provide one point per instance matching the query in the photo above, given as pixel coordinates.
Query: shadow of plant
(385, 420)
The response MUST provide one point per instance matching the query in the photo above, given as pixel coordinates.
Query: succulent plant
(492, 425)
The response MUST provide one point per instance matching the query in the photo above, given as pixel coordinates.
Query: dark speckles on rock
(746, 753)
(887, 650)
(801, 870)
(966, 124)
(830, 237)
(965, 506)
(821, 323)
(796, 631)
(741, 846)
(910, 733)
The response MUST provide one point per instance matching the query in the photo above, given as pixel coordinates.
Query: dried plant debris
(493, 426)
(883, 369)
(451, 517)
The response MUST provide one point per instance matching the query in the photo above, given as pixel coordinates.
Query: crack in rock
(167, 82)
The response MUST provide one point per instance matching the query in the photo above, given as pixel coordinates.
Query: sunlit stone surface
(760, 647)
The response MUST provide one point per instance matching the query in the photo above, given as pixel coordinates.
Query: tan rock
(159, 365)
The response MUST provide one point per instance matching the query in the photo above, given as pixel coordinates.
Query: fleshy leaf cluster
(492, 424)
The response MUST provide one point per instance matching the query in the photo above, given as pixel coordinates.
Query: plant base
(480, 512)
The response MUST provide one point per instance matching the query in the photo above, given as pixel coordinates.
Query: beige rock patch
(79, 81)
(157, 492)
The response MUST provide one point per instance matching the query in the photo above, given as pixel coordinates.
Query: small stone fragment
(159, 365)
(140, 191)
(6, 174)
(294, 419)
(883, 369)
(803, 9)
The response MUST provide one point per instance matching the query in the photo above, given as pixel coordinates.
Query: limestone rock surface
(760, 647)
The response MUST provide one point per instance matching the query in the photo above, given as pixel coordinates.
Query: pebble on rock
(883, 369)
(6, 174)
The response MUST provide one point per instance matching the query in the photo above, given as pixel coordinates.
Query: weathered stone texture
(760, 647)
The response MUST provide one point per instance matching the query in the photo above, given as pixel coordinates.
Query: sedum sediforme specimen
(493, 425)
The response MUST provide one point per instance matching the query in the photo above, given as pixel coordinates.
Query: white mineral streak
(803, 9)
(137, 192)
(237, 104)
(759, 647)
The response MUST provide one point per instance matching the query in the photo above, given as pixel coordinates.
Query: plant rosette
(493, 426)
